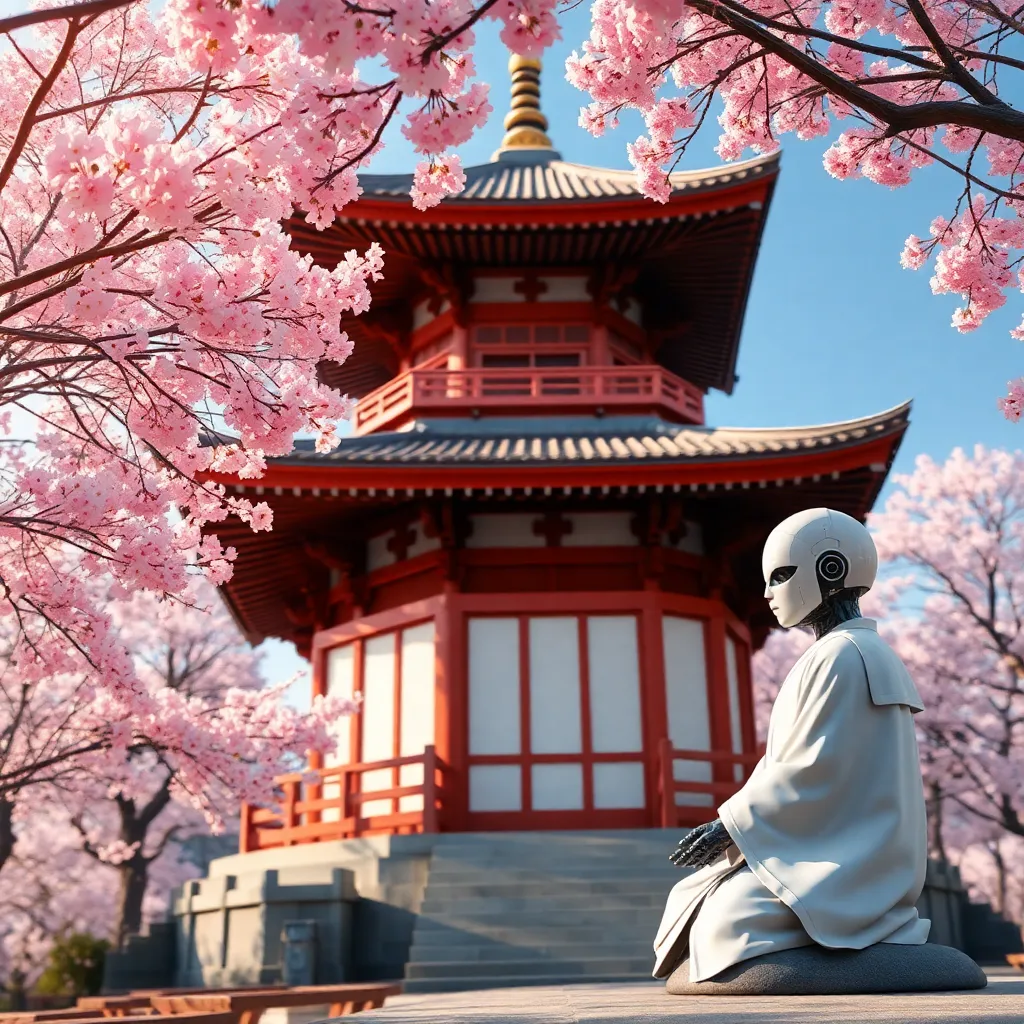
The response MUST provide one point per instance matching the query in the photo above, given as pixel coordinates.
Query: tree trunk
(134, 872)
(7, 837)
(134, 876)
(16, 990)
(936, 843)
(997, 856)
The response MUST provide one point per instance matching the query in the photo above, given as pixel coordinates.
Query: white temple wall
(340, 670)
(735, 722)
(378, 717)
(378, 555)
(555, 681)
(516, 530)
(616, 726)
(600, 529)
(421, 315)
(555, 721)
(686, 692)
(416, 710)
(503, 289)
(494, 719)
(415, 693)
(504, 530)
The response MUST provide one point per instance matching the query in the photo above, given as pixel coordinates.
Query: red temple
(533, 559)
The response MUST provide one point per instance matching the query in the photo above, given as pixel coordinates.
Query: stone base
(816, 971)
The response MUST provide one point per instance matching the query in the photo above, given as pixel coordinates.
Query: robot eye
(781, 574)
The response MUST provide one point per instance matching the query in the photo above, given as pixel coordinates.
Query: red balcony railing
(669, 785)
(565, 389)
(299, 817)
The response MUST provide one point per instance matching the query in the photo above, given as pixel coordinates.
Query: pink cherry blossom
(775, 69)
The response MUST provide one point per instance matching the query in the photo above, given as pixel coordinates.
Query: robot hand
(700, 847)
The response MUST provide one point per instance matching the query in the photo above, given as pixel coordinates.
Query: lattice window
(521, 346)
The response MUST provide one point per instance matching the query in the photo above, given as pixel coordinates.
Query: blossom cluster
(911, 78)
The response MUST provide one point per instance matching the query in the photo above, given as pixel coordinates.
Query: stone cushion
(816, 971)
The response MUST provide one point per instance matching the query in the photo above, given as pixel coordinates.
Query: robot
(825, 846)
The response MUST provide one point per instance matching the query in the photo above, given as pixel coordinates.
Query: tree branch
(81, 10)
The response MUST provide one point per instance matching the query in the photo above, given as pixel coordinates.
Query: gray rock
(816, 971)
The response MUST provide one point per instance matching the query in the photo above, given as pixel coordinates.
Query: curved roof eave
(545, 179)
(432, 458)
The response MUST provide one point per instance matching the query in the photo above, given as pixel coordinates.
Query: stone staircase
(523, 908)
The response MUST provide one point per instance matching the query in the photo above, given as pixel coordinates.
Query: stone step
(511, 842)
(581, 872)
(570, 903)
(431, 934)
(544, 848)
(620, 870)
(646, 852)
(499, 886)
(467, 984)
(527, 840)
(638, 948)
(479, 874)
(593, 968)
(598, 916)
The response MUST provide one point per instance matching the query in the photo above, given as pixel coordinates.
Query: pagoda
(533, 559)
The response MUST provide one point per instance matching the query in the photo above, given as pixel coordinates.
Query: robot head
(812, 555)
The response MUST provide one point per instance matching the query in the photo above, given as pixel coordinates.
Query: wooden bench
(76, 1013)
(1016, 960)
(203, 991)
(39, 1016)
(248, 1005)
(91, 1017)
(115, 1006)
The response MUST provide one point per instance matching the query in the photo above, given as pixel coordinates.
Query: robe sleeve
(804, 812)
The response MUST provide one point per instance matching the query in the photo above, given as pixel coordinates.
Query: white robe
(829, 831)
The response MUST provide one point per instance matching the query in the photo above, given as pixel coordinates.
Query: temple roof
(738, 475)
(573, 441)
(540, 176)
(688, 261)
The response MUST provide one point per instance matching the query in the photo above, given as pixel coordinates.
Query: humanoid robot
(825, 846)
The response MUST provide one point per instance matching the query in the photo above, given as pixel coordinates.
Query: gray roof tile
(576, 440)
(542, 176)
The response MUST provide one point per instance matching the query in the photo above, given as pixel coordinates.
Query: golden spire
(525, 125)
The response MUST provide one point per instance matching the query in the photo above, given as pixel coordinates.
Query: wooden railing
(669, 785)
(573, 389)
(300, 816)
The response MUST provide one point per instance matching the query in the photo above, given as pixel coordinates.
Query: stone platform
(648, 1003)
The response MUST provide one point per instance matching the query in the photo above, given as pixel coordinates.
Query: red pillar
(655, 702)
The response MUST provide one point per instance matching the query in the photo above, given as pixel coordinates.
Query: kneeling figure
(826, 843)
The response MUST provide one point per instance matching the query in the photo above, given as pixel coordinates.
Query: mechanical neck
(832, 612)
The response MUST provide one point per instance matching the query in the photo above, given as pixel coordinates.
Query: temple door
(555, 737)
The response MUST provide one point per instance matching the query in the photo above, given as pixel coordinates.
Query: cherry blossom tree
(128, 819)
(51, 885)
(154, 322)
(212, 736)
(919, 84)
(957, 532)
(148, 294)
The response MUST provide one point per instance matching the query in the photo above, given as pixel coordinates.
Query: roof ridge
(503, 179)
(902, 410)
(757, 162)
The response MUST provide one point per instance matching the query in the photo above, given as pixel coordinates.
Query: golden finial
(525, 125)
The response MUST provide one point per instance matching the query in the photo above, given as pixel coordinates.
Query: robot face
(810, 556)
(792, 590)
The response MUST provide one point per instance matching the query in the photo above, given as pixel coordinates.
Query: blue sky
(835, 328)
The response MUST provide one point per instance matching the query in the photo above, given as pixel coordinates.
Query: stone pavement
(647, 1003)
